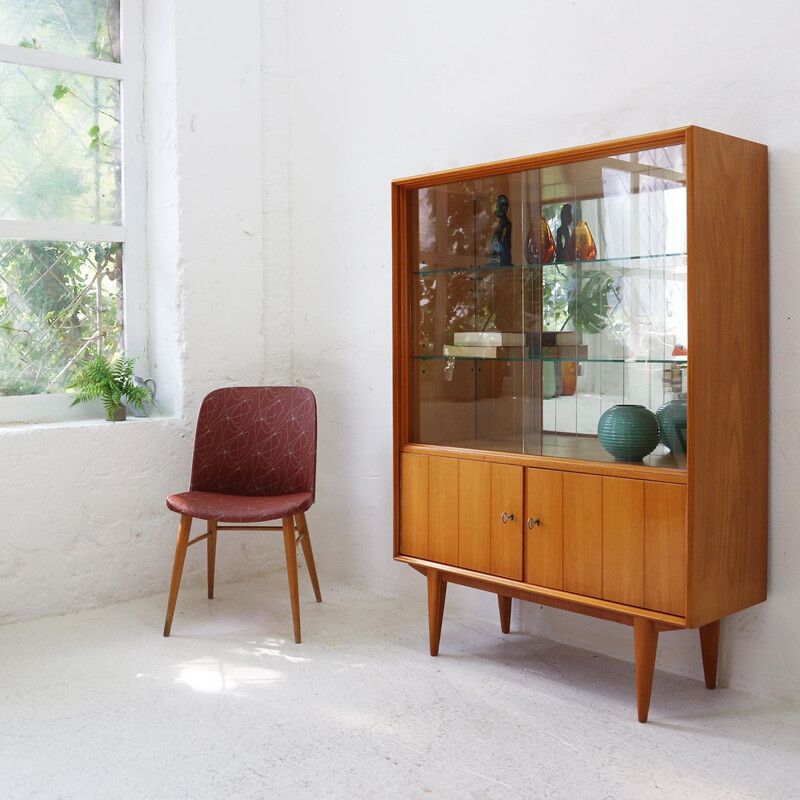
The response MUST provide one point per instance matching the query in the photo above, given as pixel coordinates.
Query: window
(72, 278)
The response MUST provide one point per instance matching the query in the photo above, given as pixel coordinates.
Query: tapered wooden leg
(211, 543)
(184, 527)
(308, 553)
(709, 647)
(645, 641)
(442, 596)
(437, 589)
(505, 613)
(290, 546)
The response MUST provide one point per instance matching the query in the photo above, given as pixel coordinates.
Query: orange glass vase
(581, 245)
(540, 247)
(569, 377)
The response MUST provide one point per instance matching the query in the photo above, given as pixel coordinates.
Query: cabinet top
(612, 147)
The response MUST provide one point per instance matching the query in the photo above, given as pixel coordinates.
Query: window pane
(59, 301)
(77, 27)
(60, 159)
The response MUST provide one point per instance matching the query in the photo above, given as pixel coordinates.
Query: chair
(255, 458)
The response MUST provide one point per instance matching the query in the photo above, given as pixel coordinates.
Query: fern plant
(110, 381)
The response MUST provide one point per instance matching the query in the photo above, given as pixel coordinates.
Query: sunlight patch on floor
(213, 676)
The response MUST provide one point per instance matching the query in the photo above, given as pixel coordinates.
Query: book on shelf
(480, 351)
(555, 338)
(469, 351)
(489, 338)
(512, 352)
(574, 352)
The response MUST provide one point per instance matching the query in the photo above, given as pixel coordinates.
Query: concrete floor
(99, 705)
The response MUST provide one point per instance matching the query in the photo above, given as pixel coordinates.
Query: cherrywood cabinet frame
(726, 475)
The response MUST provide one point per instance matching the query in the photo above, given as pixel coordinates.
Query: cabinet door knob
(506, 517)
(531, 522)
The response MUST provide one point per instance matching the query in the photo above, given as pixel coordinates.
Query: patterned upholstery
(238, 508)
(255, 455)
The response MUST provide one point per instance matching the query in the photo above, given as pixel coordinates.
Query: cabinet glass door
(541, 299)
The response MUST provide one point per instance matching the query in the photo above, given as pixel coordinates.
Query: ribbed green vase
(628, 432)
(672, 422)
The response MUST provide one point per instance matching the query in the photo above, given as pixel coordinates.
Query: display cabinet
(581, 383)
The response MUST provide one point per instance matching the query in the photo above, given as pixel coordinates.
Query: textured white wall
(83, 504)
(276, 196)
(429, 86)
(270, 160)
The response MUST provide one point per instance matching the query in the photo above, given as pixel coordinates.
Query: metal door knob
(531, 522)
(506, 517)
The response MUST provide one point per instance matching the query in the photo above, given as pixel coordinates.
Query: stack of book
(563, 345)
(487, 344)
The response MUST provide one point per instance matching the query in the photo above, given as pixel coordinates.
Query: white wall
(83, 504)
(376, 96)
(273, 133)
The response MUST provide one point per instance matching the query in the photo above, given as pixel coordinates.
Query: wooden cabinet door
(460, 512)
(583, 534)
(623, 540)
(506, 521)
(474, 494)
(544, 543)
(414, 505)
(443, 510)
(665, 548)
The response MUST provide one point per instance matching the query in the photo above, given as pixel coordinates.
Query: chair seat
(236, 508)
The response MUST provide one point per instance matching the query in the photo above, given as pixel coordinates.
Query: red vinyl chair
(255, 460)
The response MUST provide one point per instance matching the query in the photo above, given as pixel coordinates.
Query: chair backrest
(258, 441)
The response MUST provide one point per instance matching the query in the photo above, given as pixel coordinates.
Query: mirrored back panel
(543, 299)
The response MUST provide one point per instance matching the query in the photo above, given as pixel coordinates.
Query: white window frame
(130, 72)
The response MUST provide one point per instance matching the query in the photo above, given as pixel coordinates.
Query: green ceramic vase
(628, 432)
(672, 422)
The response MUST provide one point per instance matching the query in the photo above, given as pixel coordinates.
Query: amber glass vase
(540, 247)
(581, 245)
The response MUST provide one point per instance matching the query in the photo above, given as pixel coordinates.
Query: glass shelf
(677, 360)
(556, 445)
(597, 262)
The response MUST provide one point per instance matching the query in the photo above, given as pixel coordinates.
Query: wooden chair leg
(709, 647)
(645, 642)
(437, 589)
(505, 612)
(290, 546)
(308, 553)
(184, 527)
(211, 543)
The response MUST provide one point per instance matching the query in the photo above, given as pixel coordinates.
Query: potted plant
(110, 381)
(588, 296)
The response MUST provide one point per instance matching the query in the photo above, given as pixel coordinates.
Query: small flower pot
(120, 414)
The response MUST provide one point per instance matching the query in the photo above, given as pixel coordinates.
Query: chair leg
(211, 543)
(308, 553)
(184, 528)
(290, 546)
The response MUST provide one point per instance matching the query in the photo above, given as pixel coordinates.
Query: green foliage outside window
(60, 301)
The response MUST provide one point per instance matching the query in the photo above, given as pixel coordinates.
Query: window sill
(93, 422)
(48, 409)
